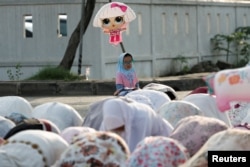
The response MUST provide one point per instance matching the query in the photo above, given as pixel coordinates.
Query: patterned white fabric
(238, 111)
(96, 149)
(227, 140)
(174, 111)
(31, 148)
(158, 151)
(207, 104)
(194, 131)
(70, 133)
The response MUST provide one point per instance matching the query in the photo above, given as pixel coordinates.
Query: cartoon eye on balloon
(113, 18)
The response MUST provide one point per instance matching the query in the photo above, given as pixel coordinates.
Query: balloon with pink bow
(113, 18)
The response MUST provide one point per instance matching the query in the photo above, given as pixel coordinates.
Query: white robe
(30, 148)
(156, 98)
(139, 120)
(63, 115)
(207, 104)
(15, 104)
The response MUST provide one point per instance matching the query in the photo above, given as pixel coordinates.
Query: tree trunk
(74, 40)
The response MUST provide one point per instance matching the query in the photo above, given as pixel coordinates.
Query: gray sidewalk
(93, 87)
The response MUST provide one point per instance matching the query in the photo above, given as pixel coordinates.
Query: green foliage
(236, 43)
(183, 63)
(15, 76)
(54, 73)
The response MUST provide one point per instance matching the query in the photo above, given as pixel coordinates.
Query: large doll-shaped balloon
(113, 19)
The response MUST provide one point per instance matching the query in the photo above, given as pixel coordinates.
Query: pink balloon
(113, 19)
(232, 85)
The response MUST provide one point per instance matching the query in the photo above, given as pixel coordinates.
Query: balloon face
(113, 19)
(113, 23)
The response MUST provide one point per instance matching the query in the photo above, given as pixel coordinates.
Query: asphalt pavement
(79, 103)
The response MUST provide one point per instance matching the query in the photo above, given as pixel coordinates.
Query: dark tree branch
(74, 40)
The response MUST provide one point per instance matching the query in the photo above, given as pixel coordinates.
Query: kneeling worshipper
(32, 148)
(142, 99)
(239, 114)
(95, 149)
(15, 104)
(61, 114)
(226, 140)
(94, 114)
(174, 111)
(133, 121)
(193, 131)
(93, 118)
(207, 104)
(158, 151)
(5, 126)
(162, 88)
(69, 134)
(245, 121)
(35, 124)
(157, 98)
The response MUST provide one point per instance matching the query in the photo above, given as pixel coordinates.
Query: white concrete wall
(163, 30)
